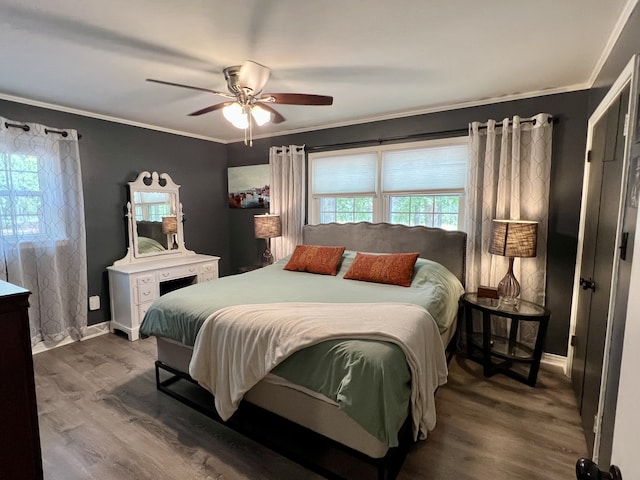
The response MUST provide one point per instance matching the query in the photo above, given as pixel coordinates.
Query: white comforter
(238, 346)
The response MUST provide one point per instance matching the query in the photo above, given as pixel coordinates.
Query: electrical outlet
(94, 302)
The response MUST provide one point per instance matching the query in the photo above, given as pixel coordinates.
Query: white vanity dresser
(157, 261)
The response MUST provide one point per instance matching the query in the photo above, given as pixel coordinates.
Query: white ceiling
(377, 58)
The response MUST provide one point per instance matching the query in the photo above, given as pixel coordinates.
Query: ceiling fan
(248, 105)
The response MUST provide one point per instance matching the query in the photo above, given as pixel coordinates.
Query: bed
(184, 321)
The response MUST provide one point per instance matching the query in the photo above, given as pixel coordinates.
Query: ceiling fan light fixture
(248, 105)
(260, 115)
(235, 114)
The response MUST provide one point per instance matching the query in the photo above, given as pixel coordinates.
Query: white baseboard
(555, 360)
(90, 331)
(95, 330)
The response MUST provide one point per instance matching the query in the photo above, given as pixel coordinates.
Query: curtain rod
(26, 128)
(64, 134)
(373, 141)
(526, 120)
(442, 133)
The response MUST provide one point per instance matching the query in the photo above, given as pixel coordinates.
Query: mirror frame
(153, 182)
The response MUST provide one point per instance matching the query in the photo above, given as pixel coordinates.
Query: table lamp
(170, 227)
(267, 226)
(512, 238)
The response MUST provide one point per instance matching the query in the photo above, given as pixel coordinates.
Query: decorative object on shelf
(267, 226)
(512, 238)
(487, 292)
(170, 227)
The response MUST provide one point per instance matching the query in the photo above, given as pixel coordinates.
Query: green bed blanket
(342, 370)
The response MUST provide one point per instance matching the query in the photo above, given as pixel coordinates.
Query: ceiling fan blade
(253, 75)
(190, 86)
(296, 99)
(212, 108)
(276, 117)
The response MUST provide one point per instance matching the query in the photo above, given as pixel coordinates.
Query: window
(21, 196)
(346, 209)
(42, 227)
(429, 210)
(411, 184)
(152, 206)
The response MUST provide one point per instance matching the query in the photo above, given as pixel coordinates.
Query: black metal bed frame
(387, 467)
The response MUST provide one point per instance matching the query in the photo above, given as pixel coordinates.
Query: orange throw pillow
(395, 269)
(315, 259)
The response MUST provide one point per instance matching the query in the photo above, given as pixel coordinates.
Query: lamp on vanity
(170, 227)
(267, 226)
(512, 238)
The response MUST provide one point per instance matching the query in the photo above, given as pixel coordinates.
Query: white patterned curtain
(287, 196)
(42, 229)
(509, 173)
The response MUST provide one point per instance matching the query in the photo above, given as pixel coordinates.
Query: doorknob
(587, 470)
(587, 284)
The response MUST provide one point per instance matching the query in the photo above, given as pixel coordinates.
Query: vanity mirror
(157, 261)
(154, 214)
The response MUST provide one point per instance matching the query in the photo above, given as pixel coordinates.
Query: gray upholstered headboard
(442, 246)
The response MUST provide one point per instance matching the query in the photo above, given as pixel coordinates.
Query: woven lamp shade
(169, 225)
(514, 238)
(267, 226)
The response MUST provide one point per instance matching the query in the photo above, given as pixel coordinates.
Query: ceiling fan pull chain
(250, 118)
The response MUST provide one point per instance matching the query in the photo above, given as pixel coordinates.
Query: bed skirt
(292, 403)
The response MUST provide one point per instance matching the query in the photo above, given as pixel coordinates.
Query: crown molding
(85, 113)
(435, 109)
(378, 118)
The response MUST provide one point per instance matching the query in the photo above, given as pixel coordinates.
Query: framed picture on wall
(249, 186)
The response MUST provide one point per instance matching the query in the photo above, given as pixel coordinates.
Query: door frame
(627, 76)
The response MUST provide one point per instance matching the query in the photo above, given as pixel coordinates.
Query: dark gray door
(601, 224)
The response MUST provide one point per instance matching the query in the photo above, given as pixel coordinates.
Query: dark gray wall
(569, 141)
(111, 155)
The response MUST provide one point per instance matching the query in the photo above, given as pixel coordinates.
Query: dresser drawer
(178, 272)
(142, 309)
(135, 286)
(146, 293)
(145, 279)
(210, 268)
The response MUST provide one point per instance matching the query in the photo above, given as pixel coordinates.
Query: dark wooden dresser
(20, 454)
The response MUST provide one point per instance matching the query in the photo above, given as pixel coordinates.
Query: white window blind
(421, 183)
(352, 174)
(431, 168)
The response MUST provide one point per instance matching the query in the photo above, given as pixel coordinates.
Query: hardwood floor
(102, 418)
